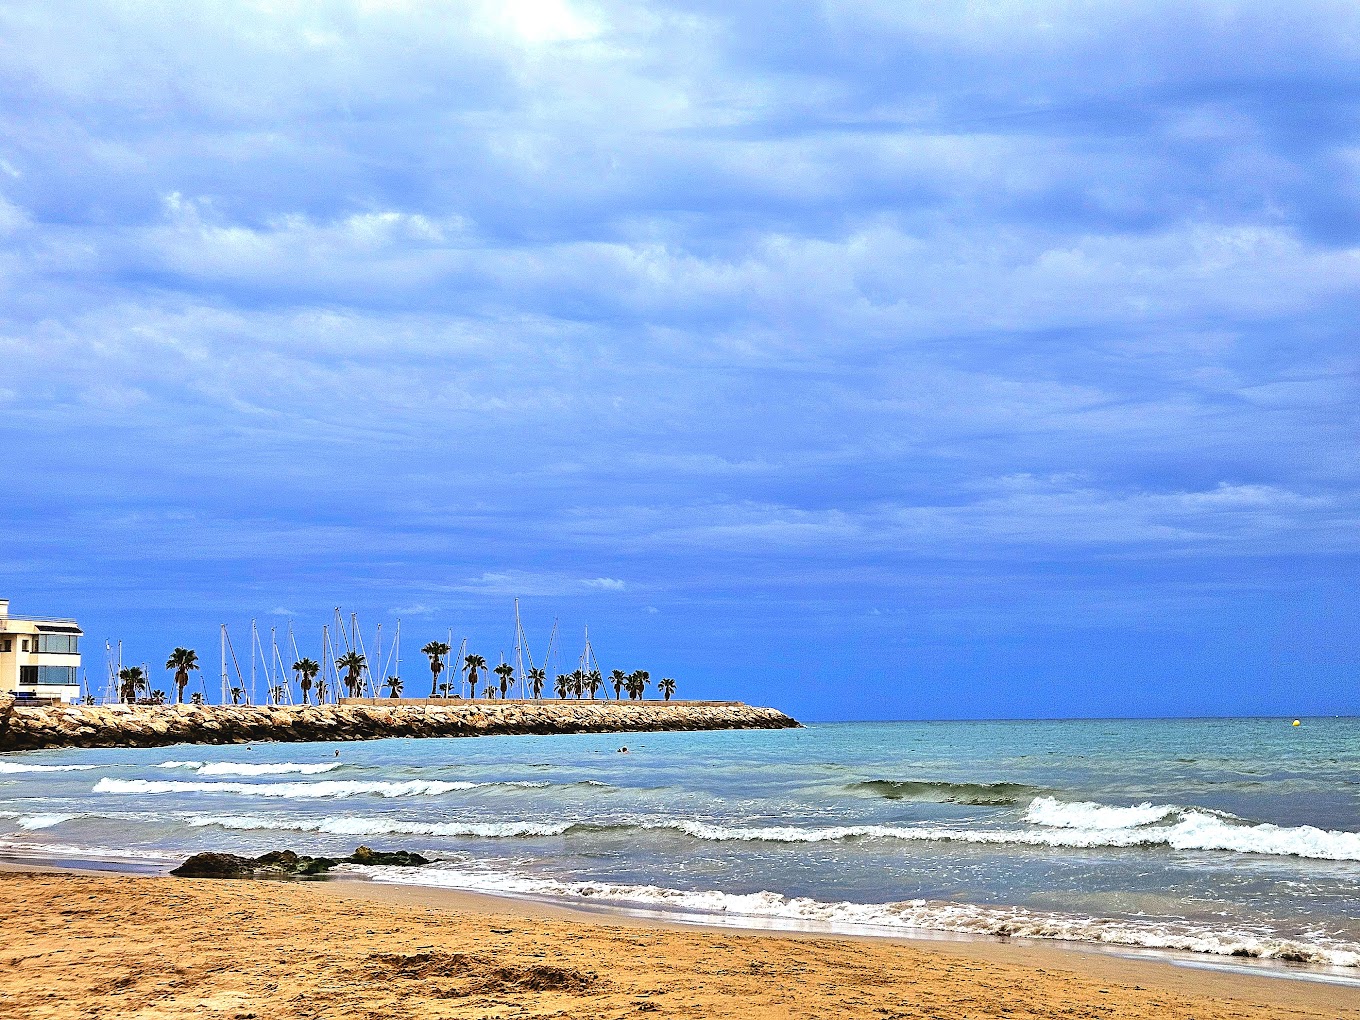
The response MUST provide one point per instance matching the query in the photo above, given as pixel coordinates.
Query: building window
(28, 674)
(23, 645)
(57, 676)
(64, 644)
(6, 645)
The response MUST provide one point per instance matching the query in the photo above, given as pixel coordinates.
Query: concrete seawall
(25, 729)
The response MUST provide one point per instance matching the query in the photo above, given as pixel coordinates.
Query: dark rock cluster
(287, 864)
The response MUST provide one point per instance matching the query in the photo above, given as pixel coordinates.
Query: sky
(867, 359)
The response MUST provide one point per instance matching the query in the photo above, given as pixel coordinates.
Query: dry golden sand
(81, 945)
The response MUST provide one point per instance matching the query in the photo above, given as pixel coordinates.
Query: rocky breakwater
(25, 728)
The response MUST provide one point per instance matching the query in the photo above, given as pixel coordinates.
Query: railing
(36, 619)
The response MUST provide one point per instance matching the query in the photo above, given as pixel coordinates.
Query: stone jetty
(30, 728)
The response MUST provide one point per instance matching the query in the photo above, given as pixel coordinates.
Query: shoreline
(1013, 949)
(713, 971)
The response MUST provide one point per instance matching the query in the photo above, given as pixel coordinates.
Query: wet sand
(83, 944)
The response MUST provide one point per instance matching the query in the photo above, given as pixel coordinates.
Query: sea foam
(361, 826)
(325, 788)
(229, 768)
(295, 791)
(776, 910)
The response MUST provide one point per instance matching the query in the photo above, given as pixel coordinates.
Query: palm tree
(536, 677)
(434, 650)
(578, 683)
(194, 699)
(237, 694)
(306, 670)
(472, 665)
(637, 684)
(276, 694)
(133, 681)
(562, 685)
(446, 690)
(322, 689)
(593, 681)
(352, 663)
(666, 687)
(617, 679)
(181, 661)
(507, 673)
(156, 697)
(488, 692)
(393, 685)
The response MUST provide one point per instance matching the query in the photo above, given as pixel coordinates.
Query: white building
(39, 657)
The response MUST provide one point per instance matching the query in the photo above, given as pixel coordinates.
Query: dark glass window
(56, 675)
(28, 674)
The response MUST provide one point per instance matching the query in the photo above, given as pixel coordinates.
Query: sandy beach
(82, 944)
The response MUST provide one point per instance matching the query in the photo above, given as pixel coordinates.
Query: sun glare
(542, 21)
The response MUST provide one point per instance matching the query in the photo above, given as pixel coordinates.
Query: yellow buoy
(1297, 723)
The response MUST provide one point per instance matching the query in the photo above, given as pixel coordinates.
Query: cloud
(413, 610)
(448, 305)
(605, 583)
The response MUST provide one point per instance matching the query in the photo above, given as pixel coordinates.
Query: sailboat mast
(326, 658)
(519, 652)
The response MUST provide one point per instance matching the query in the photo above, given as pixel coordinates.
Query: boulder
(394, 858)
(287, 864)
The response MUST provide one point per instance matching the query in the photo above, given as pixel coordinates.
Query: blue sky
(868, 359)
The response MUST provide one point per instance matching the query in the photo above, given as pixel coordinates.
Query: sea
(1228, 841)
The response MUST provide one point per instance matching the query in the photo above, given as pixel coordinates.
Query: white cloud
(418, 609)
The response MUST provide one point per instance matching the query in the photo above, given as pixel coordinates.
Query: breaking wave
(38, 821)
(14, 767)
(974, 794)
(326, 788)
(383, 826)
(1058, 825)
(776, 910)
(1052, 824)
(227, 768)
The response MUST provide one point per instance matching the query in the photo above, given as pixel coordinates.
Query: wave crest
(228, 768)
(350, 826)
(910, 915)
(326, 788)
(973, 794)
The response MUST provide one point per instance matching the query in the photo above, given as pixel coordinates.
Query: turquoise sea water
(1222, 837)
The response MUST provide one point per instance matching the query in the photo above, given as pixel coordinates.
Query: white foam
(776, 910)
(45, 821)
(1184, 829)
(14, 767)
(297, 791)
(46, 851)
(351, 826)
(228, 768)
(1088, 815)
(179, 765)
